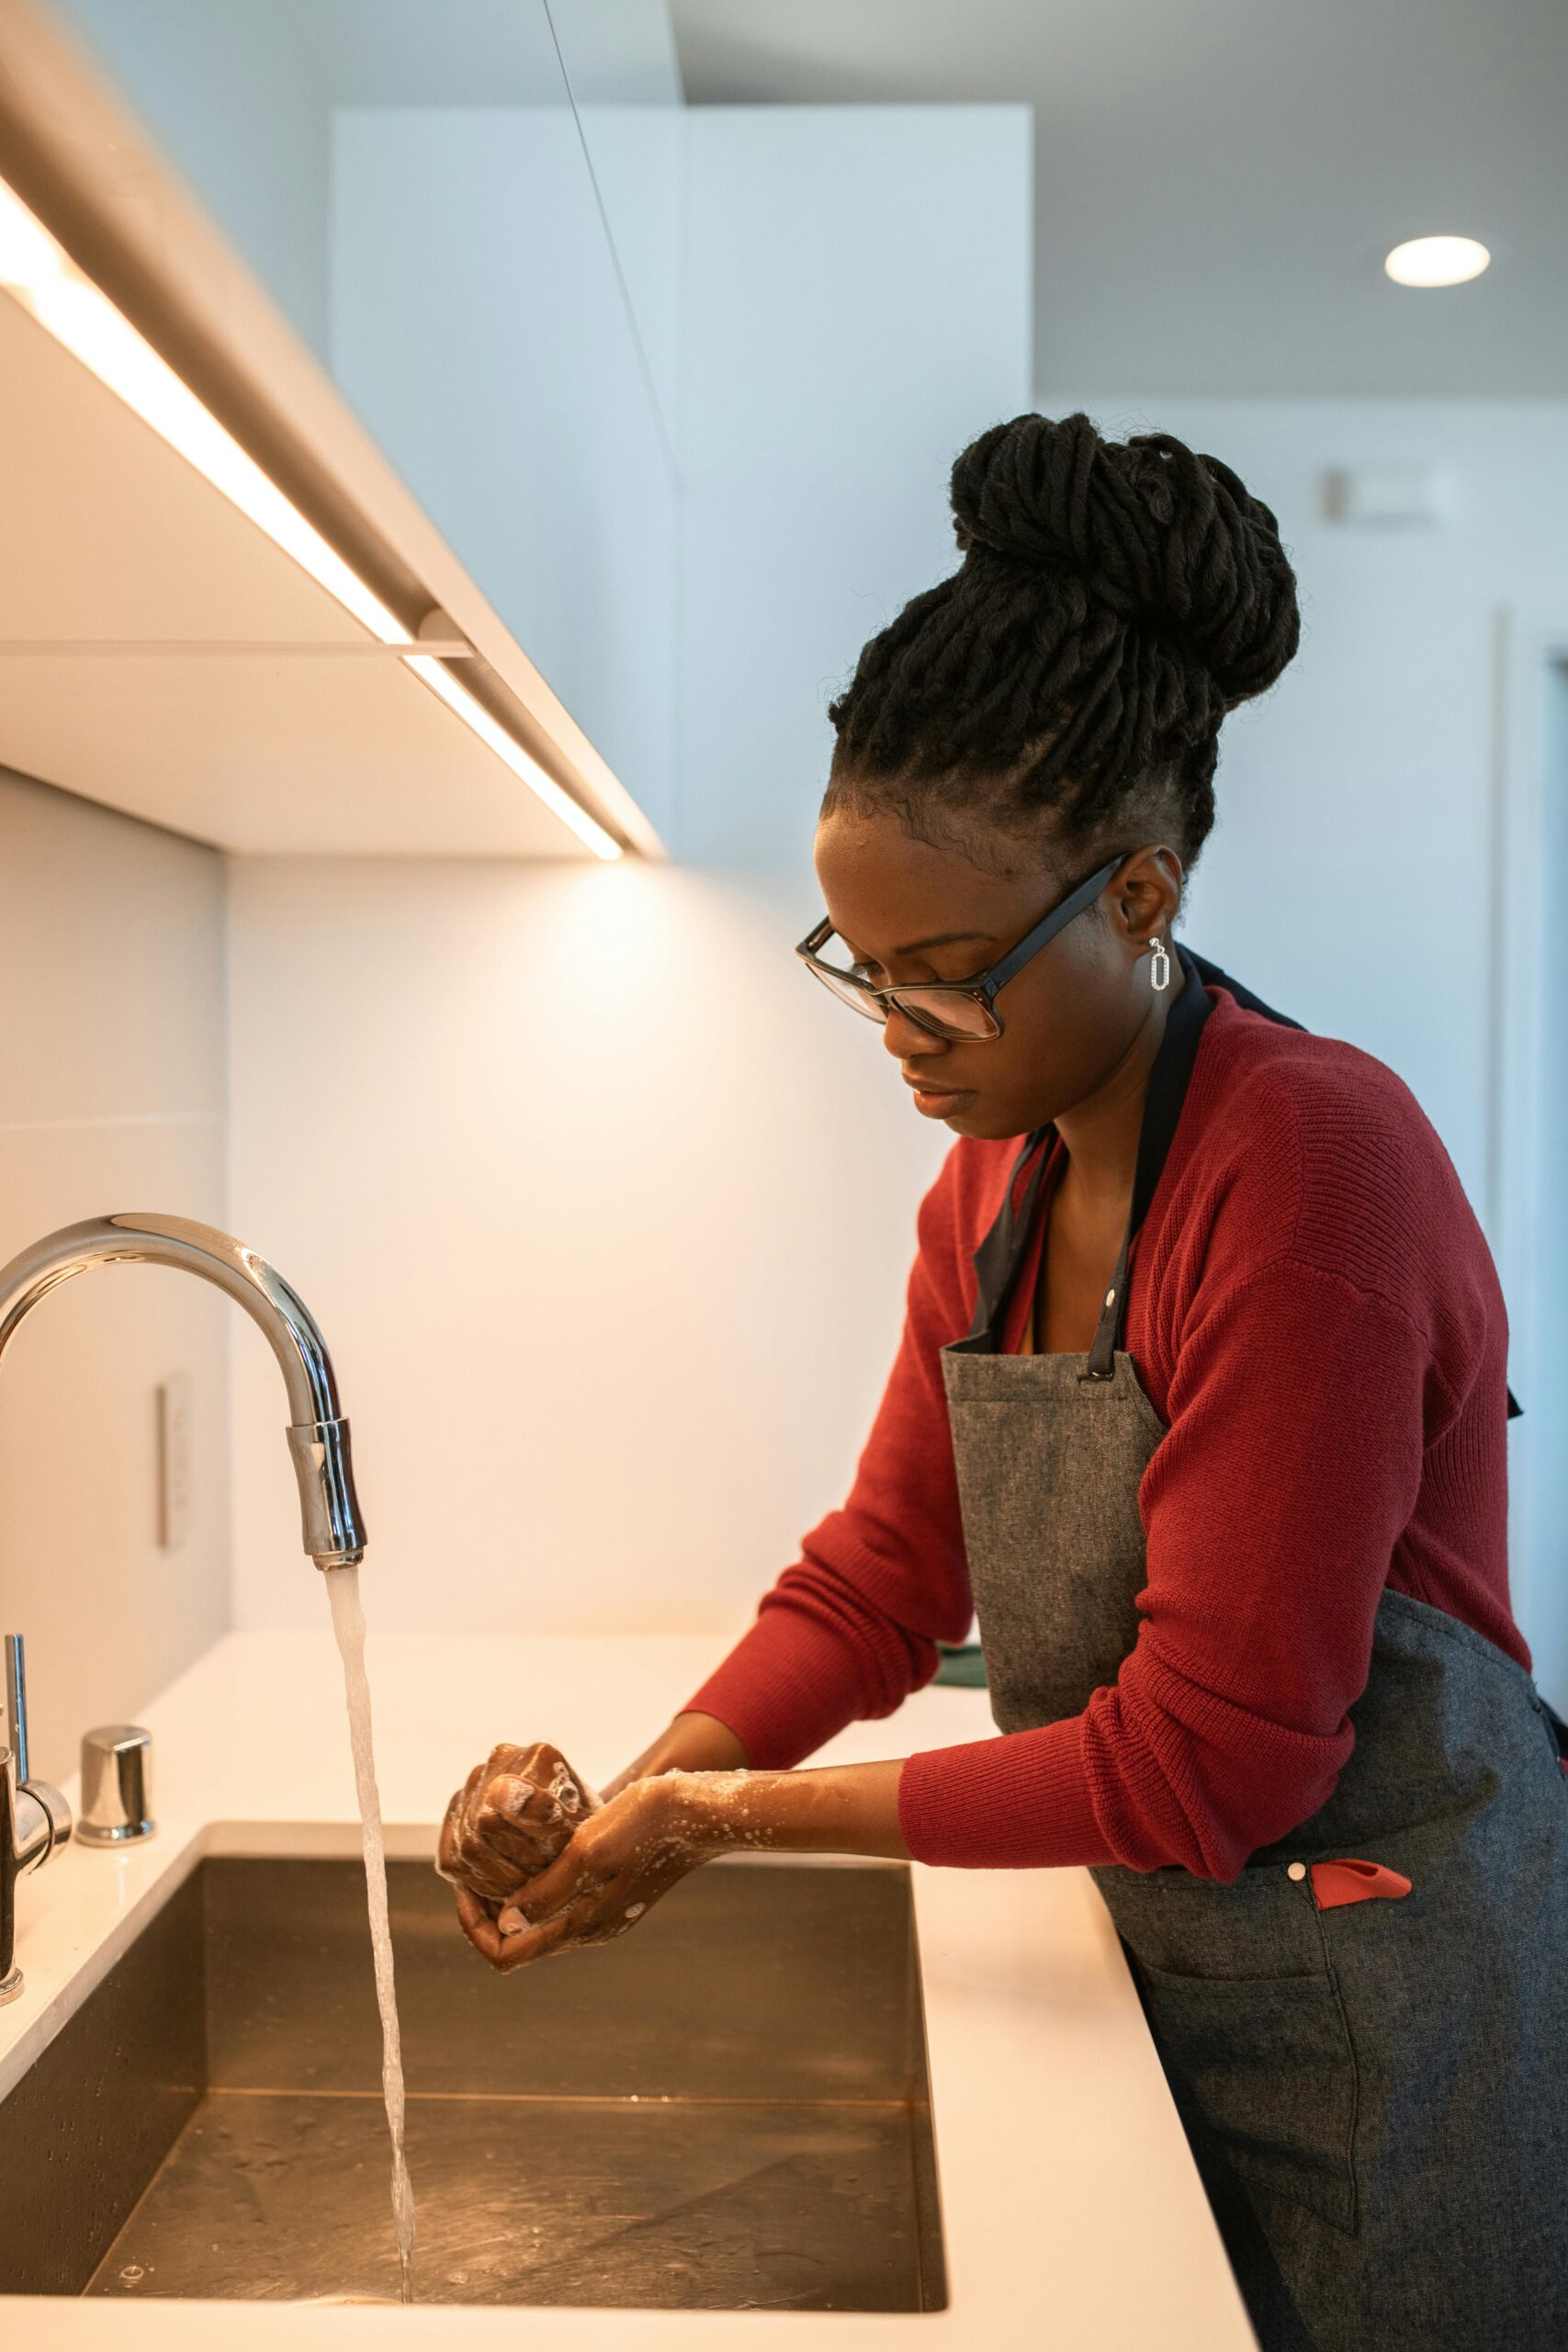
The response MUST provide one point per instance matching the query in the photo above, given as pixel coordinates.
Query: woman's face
(909, 912)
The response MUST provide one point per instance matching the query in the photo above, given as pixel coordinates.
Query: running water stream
(348, 1624)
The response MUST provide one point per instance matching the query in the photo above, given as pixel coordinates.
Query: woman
(1200, 1403)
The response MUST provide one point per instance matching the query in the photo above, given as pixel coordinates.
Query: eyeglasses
(959, 1009)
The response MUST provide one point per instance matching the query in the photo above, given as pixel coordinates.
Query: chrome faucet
(34, 1821)
(317, 1435)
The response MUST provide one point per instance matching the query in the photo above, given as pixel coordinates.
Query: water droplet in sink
(133, 2275)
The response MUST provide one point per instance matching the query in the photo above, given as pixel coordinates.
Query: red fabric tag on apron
(1336, 1882)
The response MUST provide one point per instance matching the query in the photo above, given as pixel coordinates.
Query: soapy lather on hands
(541, 1863)
(511, 1817)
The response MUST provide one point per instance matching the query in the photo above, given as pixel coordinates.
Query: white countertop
(1072, 2212)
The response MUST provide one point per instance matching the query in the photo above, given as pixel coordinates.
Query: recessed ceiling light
(1436, 261)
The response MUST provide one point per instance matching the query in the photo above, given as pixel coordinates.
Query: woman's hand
(633, 1847)
(511, 1817)
(619, 1863)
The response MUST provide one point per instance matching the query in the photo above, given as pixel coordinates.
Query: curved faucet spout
(317, 1435)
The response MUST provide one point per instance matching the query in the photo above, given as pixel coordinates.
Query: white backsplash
(112, 1096)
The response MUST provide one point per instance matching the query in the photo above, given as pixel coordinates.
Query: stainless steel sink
(728, 2108)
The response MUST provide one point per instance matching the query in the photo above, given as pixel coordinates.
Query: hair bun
(1162, 538)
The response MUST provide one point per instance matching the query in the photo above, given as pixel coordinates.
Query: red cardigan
(1315, 1316)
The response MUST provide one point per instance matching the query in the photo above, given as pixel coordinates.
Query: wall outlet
(1386, 497)
(174, 1461)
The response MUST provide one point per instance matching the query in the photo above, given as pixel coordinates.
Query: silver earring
(1159, 965)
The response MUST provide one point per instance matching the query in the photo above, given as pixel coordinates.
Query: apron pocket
(1267, 2061)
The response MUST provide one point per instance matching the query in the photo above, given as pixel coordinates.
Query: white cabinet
(161, 652)
(412, 190)
(481, 330)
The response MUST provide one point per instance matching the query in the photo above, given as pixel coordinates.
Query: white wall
(111, 1097)
(606, 1210)
(606, 1218)
(624, 80)
(858, 307)
(1537, 1151)
(1350, 877)
(1347, 880)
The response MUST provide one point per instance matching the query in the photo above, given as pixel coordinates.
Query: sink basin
(728, 2108)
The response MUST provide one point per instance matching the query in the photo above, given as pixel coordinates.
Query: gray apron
(1373, 2089)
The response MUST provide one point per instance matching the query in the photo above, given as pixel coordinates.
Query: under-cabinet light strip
(472, 713)
(38, 272)
(40, 275)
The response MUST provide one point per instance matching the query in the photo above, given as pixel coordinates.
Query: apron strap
(1168, 1082)
(999, 1258)
(1101, 1365)
(996, 1262)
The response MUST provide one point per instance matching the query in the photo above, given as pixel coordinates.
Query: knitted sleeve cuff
(787, 1686)
(1018, 1801)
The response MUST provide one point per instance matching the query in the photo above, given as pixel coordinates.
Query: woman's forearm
(720, 1804)
(693, 1743)
(835, 1809)
(662, 1826)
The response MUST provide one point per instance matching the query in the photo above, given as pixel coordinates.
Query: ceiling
(1217, 181)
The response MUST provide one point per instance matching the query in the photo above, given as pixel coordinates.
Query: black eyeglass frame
(984, 986)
